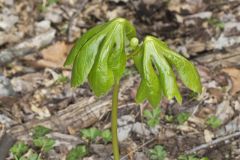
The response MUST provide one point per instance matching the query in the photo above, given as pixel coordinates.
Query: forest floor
(35, 38)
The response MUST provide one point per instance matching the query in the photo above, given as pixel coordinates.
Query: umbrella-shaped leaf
(85, 59)
(186, 70)
(101, 77)
(149, 88)
(166, 74)
(154, 63)
(117, 59)
(99, 55)
(80, 42)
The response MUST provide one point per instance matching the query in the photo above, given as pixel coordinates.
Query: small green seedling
(19, 149)
(152, 116)
(40, 131)
(182, 117)
(90, 133)
(106, 136)
(169, 118)
(214, 122)
(77, 153)
(61, 79)
(190, 157)
(30, 155)
(46, 4)
(216, 23)
(101, 54)
(157, 153)
(44, 143)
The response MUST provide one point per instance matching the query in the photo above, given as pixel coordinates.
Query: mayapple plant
(100, 57)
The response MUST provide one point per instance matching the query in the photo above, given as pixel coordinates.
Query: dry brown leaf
(234, 74)
(195, 47)
(187, 6)
(208, 136)
(42, 112)
(224, 111)
(55, 55)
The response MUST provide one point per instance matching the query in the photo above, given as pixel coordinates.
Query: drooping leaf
(186, 70)
(100, 55)
(101, 76)
(80, 42)
(149, 88)
(117, 59)
(154, 63)
(166, 74)
(151, 79)
(84, 61)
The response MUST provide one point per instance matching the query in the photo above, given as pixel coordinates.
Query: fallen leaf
(55, 55)
(42, 112)
(208, 136)
(224, 111)
(234, 74)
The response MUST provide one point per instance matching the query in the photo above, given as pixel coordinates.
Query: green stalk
(114, 121)
(134, 53)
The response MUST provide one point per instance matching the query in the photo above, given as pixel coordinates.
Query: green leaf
(91, 133)
(34, 156)
(152, 122)
(30, 156)
(40, 131)
(101, 77)
(182, 117)
(186, 70)
(151, 79)
(154, 63)
(84, 61)
(99, 55)
(77, 153)
(118, 58)
(169, 118)
(166, 74)
(81, 42)
(106, 136)
(152, 116)
(18, 149)
(147, 114)
(157, 153)
(50, 2)
(156, 112)
(46, 144)
(214, 122)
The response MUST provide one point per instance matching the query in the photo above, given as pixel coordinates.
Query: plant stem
(114, 121)
(134, 53)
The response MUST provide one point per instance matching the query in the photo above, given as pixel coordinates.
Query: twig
(144, 144)
(214, 142)
(72, 17)
(26, 47)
